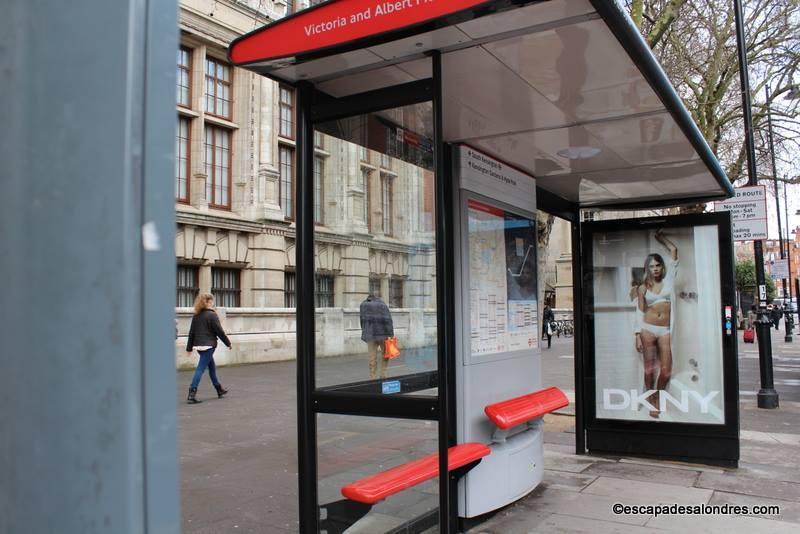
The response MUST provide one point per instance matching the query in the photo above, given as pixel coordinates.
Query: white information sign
(779, 269)
(485, 175)
(748, 212)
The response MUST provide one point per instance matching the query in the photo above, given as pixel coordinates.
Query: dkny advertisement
(657, 323)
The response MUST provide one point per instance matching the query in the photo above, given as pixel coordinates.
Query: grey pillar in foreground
(87, 396)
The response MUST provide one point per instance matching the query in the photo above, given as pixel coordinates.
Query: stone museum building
(234, 201)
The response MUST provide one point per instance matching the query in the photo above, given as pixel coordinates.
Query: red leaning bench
(524, 409)
(362, 494)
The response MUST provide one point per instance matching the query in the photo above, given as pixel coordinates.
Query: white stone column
(198, 192)
(204, 278)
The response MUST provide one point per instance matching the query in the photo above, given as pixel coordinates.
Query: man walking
(376, 327)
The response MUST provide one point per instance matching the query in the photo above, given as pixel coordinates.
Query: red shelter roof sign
(338, 22)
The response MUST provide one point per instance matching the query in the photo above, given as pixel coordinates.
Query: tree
(695, 42)
(746, 279)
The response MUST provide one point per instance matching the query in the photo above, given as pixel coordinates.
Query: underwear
(651, 298)
(657, 331)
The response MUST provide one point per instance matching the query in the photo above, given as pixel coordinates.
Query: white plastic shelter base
(497, 352)
(513, 470)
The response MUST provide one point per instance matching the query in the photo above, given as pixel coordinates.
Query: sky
(793, 192)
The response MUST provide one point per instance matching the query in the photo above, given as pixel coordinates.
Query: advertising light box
(660, 343)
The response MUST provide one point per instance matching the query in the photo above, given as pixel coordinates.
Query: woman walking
(203, 334)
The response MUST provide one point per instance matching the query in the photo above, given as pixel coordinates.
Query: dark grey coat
(376, 321)
(205, 330)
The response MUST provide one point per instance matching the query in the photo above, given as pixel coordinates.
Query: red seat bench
(518, 410)
(376, 487)
(336, 517)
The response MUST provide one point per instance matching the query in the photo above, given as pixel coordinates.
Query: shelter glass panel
(383, 270)
(351, 448)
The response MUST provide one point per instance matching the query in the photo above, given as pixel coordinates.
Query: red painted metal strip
(486, 208)
(338, 22)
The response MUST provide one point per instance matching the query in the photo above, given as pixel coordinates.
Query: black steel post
(445, 300)
(578, 339)
(767, 396)
(306, 416)
(788, 313)
(784, 285)
(797, 293)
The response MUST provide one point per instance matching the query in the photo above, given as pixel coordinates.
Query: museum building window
(226, 287)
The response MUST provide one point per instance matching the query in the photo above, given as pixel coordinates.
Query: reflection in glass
(376, 249)
(351, 448)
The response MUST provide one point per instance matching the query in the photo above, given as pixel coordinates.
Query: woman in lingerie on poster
(654, 338)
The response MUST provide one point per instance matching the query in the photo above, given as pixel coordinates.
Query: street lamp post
(788, 313)
(788, 336)
(796, 282)
(767, 396)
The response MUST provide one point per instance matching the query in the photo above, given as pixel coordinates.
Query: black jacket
(205, 330)
(376, 321)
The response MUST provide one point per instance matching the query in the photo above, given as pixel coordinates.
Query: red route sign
(338, 22)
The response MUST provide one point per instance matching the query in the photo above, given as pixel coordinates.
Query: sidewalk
(239, 466)
(578, 492)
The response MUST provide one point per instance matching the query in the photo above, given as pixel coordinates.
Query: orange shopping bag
(390, 348)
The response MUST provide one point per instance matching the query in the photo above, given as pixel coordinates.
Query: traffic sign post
(748, 212)
(767, 396)
(779, 270)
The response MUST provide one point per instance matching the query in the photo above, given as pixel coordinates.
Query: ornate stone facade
(235, 206)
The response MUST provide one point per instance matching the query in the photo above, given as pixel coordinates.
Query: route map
(502, 273)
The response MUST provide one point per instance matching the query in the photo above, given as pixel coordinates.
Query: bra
(655, 298)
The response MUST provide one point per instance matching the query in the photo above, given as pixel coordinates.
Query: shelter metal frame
(314, 107)
(364, 398)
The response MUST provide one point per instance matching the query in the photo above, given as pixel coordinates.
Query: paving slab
(566, 524)
(770, 437)
(559, 461)
(577, 504)
(732, 483)
(251, 515)
(668, 464)
(565, 480)
(769, 471)
(715, 524)
(644, 473)
(790, 511)
(524, 523)
(556, 422)
(376, 522)
(512, 520)
(766, 453)
(561, 448)
(562, 438)
(637, 492)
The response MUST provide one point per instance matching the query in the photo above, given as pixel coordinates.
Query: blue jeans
(206, 360)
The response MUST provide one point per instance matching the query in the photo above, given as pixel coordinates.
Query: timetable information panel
(502, 266)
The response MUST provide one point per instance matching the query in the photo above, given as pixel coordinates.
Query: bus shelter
(482, 112)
